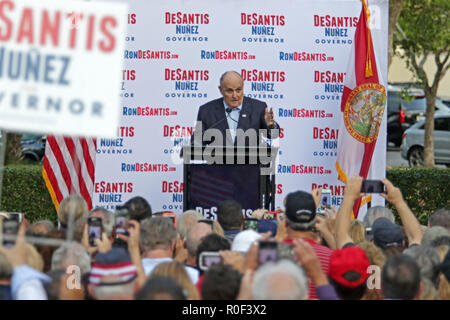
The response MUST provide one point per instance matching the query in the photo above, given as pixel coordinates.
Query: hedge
(425, 190)
(24, 190)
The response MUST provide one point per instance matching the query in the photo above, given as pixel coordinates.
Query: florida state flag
(362, 107)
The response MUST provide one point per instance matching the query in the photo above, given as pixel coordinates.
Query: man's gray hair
(110, 291)
(428, 261)
(377, 212)
(195, 236)
(71, 253)
(186, 221)
(433, 233)
(226, 73)
(157, 233)
(281, 280)
(440, 217)
(301, 226)
(47, 224)
(108, 220)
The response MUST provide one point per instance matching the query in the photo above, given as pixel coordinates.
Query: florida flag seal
(362, 107)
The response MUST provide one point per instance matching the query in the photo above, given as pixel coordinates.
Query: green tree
(423, 32)
(395, 8)
(13, 151)
(13, 148)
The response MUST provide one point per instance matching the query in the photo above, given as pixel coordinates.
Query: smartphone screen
(171, 216)
(325, 200)
(251, 224)
(95, 229)
(121, 221)
(208, 259)
(372, 186)
(270, 215)
(121, 225)
(16, 215)
(285, 250)
(268, 251)
(10, 227)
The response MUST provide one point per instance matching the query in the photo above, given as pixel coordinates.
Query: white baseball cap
(244, 240)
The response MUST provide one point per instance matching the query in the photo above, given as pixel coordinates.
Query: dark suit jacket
(213, 115)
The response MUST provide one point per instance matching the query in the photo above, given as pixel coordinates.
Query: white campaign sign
(60, 66)
(292, 54)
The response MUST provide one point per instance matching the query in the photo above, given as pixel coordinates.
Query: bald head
(194, 237)
(232, 89)
(281, 280)
(230, 75)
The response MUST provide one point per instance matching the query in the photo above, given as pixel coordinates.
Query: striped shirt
(324, 255)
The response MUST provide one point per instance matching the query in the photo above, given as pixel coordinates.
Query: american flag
(69, 167)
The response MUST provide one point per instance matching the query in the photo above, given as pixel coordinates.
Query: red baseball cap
(351, 259)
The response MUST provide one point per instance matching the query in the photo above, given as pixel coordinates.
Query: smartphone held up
(325, 201)
(372, 186)
(209, 258)
(10, 222)
(95, 230)
(122, 216)
(274, 251)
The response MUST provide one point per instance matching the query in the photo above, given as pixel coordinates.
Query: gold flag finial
(368, 72)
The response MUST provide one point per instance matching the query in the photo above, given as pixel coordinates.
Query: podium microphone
(228, 111)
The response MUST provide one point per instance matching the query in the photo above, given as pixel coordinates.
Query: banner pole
(2, 161)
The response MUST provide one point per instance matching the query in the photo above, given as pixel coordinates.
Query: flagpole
(2, 161)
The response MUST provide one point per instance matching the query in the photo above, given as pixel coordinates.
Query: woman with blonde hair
(217, 228)
(357, 231)
(444, 278)
(34, 259)
(376, 258)
(443, 288)
(176, 271)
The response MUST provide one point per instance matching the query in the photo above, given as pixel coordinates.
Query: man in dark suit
(234, 119)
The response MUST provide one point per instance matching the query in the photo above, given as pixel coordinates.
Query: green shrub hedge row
(24, 190)
(425, 190)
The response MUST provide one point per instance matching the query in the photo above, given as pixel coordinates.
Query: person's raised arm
(133, 249)
(26, 282)
(344, 216)
(412, 226)
(316, 194)
(325, 233)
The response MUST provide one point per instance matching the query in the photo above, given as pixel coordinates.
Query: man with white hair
(193, 239)
(186, 221)
(377, 212)
(71, 253)
(282, 280)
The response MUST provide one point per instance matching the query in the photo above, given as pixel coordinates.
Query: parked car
(413, 142)
(33, 147)
(402, 114)
(446, 101)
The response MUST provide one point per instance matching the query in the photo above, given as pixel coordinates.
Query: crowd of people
(297, 254)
